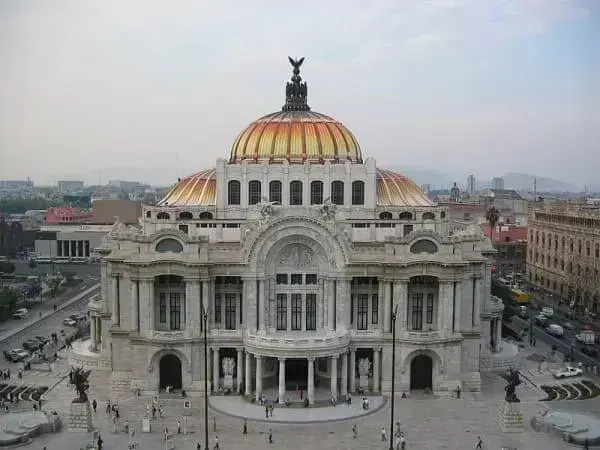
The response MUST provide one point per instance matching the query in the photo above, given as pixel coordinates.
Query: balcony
(302, 344)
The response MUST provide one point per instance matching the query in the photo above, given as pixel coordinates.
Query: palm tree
(492, 216)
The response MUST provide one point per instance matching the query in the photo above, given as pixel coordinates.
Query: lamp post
(205, 320)
(393, 376)
(572, 359)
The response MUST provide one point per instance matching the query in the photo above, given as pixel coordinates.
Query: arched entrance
(296, 373)
(170, 372)
(421, 372)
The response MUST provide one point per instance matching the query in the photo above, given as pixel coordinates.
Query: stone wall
(80, 417)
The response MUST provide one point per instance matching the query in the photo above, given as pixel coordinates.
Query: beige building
(563, 255)
(299, 252)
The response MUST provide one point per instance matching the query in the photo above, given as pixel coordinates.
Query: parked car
(20, 313)
(42, 339)
(568, 372)
(68, 322)
(16, 355)
(589, 350)
(547, 311)
(569, 326)
(31, 345)
(555, 330)
(541, 320)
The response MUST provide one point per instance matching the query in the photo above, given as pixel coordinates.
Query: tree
(492, 216)
(8, 302)
(32, 263)
(53, 285)
(6, 267)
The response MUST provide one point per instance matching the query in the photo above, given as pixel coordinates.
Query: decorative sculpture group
(296, 91)
(79, 378)
(513, 381)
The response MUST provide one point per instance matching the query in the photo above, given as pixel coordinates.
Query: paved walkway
(236, 406)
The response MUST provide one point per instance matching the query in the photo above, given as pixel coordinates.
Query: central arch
(421, 372)
(170, 372)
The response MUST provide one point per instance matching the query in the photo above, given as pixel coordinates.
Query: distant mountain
(524, 182)
(421, 176)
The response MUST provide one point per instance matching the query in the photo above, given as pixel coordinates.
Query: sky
(92, 88)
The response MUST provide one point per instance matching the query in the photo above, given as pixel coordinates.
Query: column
(239, 369)
(352, 370)
(321, 305)
(151, 310)
(248, 378)
(376, 363)
(401, 300)
(334, 375)
(477, 309)
(344, 374)
(135, 306)
(93, 341)
(381, 299)
(311, 380)
(261, 304)
(498, 335)
(457, 292)
(281, 380)
(98, 331)
(387, 312)
(330, 305)
(259, 374)
(115, 300)
(215, 367)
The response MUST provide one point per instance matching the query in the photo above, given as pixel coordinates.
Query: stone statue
(364, 366)
(79, 378)
(328, 210)
(297, 256)
(266, 211)
(513, 381)
(228, 365)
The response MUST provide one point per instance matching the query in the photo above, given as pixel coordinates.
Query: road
(81, 270)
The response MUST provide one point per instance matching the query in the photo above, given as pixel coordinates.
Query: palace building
(298, 255)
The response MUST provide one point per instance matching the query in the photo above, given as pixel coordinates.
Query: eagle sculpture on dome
(296, 63)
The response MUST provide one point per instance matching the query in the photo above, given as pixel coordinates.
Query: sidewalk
(35, 318)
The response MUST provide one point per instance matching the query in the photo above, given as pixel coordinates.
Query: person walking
(94, 405)
(383, 435)
(479, 445)
(217, 443)
(178, 426)
(270, 436)
(245, 427)
(354, 431)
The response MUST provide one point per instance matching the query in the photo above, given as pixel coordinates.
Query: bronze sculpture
(513, 381)
(296, 90)
(79, 378)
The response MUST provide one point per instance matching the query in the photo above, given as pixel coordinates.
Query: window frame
(337, 192)
(275, 191)
(233, 197)
(254, 192)
(358, 193)
(296, 194)
(281, 312)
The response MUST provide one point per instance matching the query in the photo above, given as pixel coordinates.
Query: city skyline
(462, 87)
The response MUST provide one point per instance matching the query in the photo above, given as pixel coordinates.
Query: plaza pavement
(430, 423)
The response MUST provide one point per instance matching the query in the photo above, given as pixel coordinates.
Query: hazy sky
(482, 86)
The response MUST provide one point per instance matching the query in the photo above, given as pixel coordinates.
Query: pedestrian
(458, 392)
(99, 443)
(198, 446)
(402, 442)
(40, 404)
(586, 444)
(354, 431)
(214, 424)
(178, 426)
(217, 443)
(245, 427)
(108, 408)
(267, 411)
(153, 412)
(383, 435)
(126, 427)
(94, 405)
(479, 445)
(270, 436)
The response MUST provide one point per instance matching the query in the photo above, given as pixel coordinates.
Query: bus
(519, 296)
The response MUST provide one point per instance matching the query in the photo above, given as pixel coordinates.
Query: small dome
(199, 189)
(394, 189)
(296, 137)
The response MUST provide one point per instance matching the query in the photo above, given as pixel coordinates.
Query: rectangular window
(429, 318)
(362, 312)
(275, 192)
(311, 278)
(282, 278)
(217, 308)
(296, 311)
(162, 307)
(407, 230)
(374, 309)
(59, 248)
(316, 193)
(296, 278)
(417, 311)
(281, 312)
(230, 315)
(296, 193)
(311, 312)
(175, 311)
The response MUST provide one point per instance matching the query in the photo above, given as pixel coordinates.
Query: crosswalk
(45, 373)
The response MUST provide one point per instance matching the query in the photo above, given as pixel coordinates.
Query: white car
(69, 322)
(568, 372)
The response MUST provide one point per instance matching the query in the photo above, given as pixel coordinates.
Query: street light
(572, 359)
(205, 319)
(393, 376)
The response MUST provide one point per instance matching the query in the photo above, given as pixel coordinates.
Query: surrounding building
(16, 184)
(66, 215)
(498, 183)
(297, 255)
(471, 185)
(14, 237)
(70, 186)
(510, 242)
(563, 254)
(511, 206)
(454, 194)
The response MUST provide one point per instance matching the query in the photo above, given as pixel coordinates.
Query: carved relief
(228, 365)
(364, 366)
(297, 256)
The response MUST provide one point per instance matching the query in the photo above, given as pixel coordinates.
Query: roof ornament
(296, 90)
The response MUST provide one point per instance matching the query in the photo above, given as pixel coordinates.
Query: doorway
(170, 372)
(421, 373)
(296, 373)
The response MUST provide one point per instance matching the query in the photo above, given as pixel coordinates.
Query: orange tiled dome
(199, 189)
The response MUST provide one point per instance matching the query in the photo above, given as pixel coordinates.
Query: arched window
(423, 246)
(316, 193)
(233, 192)
(358, 193)
(386, 215)
(275, 192)
(428, 216)
(254, 193)
(205, 215)
(337, 192)
(163, 216)
(185, 215)
(405, 215)
(169, 245)
(148, 214)
(296, 193)
(443, 214)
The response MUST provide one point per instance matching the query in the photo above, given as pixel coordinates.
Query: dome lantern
(296, 91)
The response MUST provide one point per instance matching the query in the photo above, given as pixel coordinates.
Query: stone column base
(510, 417)
(80, 417)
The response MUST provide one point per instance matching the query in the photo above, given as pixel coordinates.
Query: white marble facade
(297, 292)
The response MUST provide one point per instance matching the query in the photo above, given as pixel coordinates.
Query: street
(81, 270)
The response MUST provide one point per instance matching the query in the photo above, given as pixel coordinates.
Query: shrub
(550, 393)
(573, 393)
